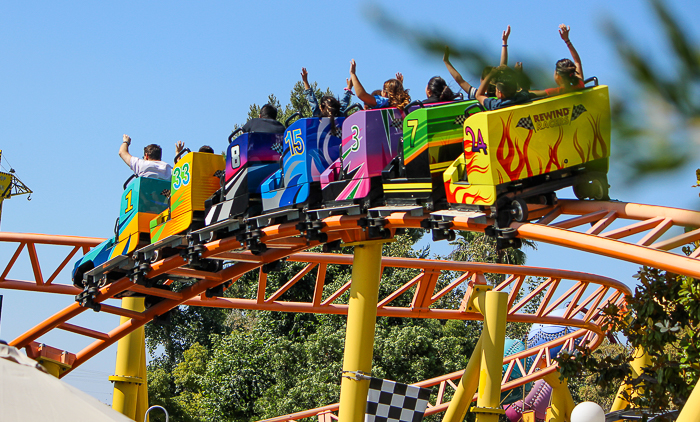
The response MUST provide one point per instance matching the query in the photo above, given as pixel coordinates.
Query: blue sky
(77, 75)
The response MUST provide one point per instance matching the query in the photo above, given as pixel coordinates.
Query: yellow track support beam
(359, 336)
(457, 410)
(128, 375)
(495, 310)
(54, 368)
(562, 403)
(640, 361)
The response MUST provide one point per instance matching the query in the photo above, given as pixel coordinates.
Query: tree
(663, 318)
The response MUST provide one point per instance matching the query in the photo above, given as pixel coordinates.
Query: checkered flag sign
(526, 122)
(389, 401)
(459, 120)
(277, 146)
(578, 110)
(396, 123)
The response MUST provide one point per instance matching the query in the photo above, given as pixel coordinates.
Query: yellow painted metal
(691, 410)
(142, 395)
(520, 142)
(54, 368)
(129, 353)
(457, 410)
(641, 360)
(359, 337)
(193, 181)
(562, 403)
(495, 312)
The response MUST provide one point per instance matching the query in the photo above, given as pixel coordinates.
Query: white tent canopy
(27, 393)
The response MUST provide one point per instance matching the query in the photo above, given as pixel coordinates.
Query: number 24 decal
(478, 143)
(181, 176)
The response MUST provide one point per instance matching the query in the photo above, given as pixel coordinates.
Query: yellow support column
(488, 402)
(359, 336)
(142, 401)
(129, 352)
(562, 403)
(457, 410)
(640, 361)
(691, 410)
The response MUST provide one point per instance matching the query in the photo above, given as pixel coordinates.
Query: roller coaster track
(573, 224)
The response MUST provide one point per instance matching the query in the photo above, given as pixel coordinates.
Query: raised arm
(179, 146)
(466, 86)
(564, 33)
(363, 95)
(305, 78)
(124, 150)
(309, 93)
(481, 92)
(504, 46)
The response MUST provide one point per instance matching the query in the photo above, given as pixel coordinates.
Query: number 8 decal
(235, 156)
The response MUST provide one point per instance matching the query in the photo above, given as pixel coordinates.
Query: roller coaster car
(520, 155)
(194, 180)
(142, 200)
(370, 142)
(432, 139)
(310, 146)
(250, 159)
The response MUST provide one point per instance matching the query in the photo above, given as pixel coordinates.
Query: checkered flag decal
(526, 122)
(389, 401)
(459, 120)
(396, 123)
(277, 147)
(578, 110)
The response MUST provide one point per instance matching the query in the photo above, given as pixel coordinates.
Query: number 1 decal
(129, 207)
(478, 143)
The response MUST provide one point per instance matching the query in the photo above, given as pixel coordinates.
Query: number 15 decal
(478, 143)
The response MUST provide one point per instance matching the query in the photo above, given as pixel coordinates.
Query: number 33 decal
(181, 176)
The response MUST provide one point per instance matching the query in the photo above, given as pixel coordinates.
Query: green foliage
(297, 103)
(667, 98)
(663, 318)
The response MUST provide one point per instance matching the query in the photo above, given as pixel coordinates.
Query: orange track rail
(636, 241)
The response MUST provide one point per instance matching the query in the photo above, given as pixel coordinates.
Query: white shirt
(148, 168)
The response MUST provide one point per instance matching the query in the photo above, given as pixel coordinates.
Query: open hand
(505, 36)
(353, 66)
(564, 32)
(399, 76)
(179, 146)
(446, 56)
(304, 75)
